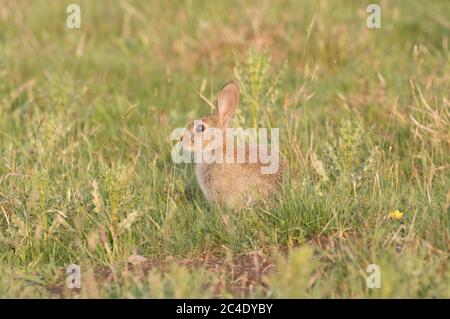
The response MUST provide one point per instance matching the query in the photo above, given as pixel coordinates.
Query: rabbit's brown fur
(232, 185)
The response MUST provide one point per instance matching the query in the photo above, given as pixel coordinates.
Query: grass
(86, 175)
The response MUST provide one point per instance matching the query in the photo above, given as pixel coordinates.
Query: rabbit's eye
(199, 128)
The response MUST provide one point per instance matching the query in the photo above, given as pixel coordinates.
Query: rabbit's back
(237, 184)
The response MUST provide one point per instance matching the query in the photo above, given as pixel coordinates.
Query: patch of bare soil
(239, 274)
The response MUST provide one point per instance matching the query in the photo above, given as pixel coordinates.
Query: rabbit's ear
(228, 101)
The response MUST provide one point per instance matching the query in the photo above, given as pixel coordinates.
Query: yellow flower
(395, 214)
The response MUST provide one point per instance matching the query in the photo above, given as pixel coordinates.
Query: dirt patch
(240, 273)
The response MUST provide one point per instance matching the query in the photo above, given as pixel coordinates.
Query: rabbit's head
(227, 102)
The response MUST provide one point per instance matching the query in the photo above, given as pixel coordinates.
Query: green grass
(86, 175)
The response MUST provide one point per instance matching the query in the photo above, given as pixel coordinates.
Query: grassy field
(86, 175)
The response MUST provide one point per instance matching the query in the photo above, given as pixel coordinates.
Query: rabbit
(232, 185)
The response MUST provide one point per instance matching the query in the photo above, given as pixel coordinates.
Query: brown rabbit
(234, 184)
